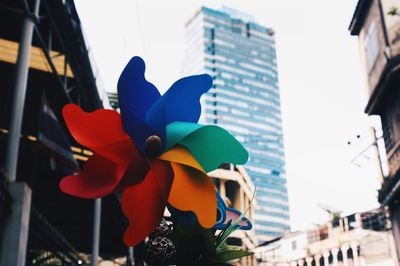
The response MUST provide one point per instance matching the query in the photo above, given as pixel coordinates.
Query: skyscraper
(240, 56)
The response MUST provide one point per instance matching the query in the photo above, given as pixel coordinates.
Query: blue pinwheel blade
(221, 213)
(180, 103)
(136, 95)
(137, 129)
(134, 91)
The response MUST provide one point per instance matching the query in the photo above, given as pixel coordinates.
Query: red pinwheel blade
(134, 174)
(144, 203)
(99, 178)
(100, 131)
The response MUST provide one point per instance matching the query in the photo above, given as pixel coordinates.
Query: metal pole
(14, 240)
(129, 257)
(96, 231)
(18, 103)
(381, 176)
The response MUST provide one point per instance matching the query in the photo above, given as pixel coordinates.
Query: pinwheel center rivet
(153, 145)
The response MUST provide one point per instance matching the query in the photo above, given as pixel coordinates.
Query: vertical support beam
(358, 223)
(65, 73)
(18, 102)
(335, 252)
(14, 240)
(222, 190)
(129, 257)
(317, 259)
(344, 250)
(16, 226)
(330, 229)
(346, 224)
(356, 258)
(341, 225)
(377, 157)
(50, 42)
(384, 29)
(138, 252)
(326, 258)
(96, 231)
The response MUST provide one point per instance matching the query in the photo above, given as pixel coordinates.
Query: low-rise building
(376, 23)
(357, 239)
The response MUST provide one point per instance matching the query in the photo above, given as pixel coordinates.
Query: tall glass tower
(240, 56)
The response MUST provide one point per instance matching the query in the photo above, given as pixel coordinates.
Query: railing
(394, 159)
(47, 246)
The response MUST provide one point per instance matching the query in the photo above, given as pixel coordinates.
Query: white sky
(322, 85)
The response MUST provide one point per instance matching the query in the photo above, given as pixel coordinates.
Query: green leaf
(230, 247)
(222, 238)
(229, 255)
(393, 11)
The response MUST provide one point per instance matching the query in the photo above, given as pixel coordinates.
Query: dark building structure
(377, 25)
(113, 98)
(60, 72)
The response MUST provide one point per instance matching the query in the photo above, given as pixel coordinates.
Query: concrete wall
(374, 72)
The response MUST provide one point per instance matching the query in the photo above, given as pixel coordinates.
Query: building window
(294, 245)
(371, 45)
(387, 127)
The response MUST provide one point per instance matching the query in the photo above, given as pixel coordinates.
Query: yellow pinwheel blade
(181, 155)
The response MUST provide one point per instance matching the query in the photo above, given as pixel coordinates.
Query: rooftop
(359, 16)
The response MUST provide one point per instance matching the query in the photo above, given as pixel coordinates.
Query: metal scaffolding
(53, 26)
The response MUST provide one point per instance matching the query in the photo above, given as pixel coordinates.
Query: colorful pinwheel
(154, 152)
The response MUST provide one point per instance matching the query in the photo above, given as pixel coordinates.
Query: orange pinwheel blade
(99, 178)
(100, 131)
(181, 155)
(192, 190)
(144, 204)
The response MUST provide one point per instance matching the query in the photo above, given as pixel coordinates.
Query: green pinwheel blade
(209, 144)
(178, 131)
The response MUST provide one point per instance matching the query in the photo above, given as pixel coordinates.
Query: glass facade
(240, 56)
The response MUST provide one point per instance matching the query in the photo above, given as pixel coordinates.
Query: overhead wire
(141, 32)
